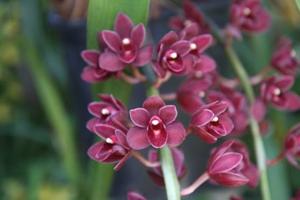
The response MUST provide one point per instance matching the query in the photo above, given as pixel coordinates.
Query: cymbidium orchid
(275, 90)
(217, 106)
(124, 46)
(225, 166)
(249, 16)
(284, 58)
(211, 121)
(155, 125)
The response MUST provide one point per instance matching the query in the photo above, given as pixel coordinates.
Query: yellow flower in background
(290, 10)
(50, 192)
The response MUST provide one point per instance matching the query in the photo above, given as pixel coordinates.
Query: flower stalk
(258, 142)
(197, 183)
(170, 178)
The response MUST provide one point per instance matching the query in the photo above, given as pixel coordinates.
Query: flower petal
(293, 101)
(285, 82)
(137, 138)
(202, 117)
(219, 107)
(135, 196)
(91, 124)
(121, 162)
(258, 110)
(168, 113)
(230, 179)
(176, 134)
(95, 107)
(104, 130)
(153, 104)
(182, 47)
(202, 42)
(225, 163)
(112, 40)
(110, 62)
(144, 56)
(123, 25)
(90, 57)
(204, 135)
(140, 117)
(138, 35)
(168, 39)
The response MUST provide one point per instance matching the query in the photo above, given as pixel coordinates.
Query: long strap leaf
(101, 15)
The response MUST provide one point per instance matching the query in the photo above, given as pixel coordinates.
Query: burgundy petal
(285, 82)
(121, 138)
(258, 110)
(135, 196)
(137, 138)
(204, 135)
(123, 25)
(138, 35)
(104, 130)
(90, 57)
(176, 134)
(226, 163)
(227, 123)
(110, 62)
(205, 64)
(121, 162)
(203, 117)
(182, 47)
(168, 113)
(169, 38)
(293, 101)
(144, 56)
(91, 124)
(159, 70)
(219, 107)
(112, 40)
(140, 117)
(153, 104)
(202, 42)
(230, 179)
(95, 107)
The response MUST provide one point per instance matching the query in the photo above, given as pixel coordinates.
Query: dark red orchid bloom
(248, 169)
(292, 146)
(225, 166)
(109, 110)
(171, 55)
(124, 45)
(237, 106)
(211, 121)
(191, 93)
(275, 90)
(135, 196)
(92, 73)
(284, 58)
(193, 20)
(201, 64)
(114, 147)
(156, 173)
(154, 124)
(249, 16)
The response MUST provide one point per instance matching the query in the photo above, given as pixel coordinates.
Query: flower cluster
(216, 106)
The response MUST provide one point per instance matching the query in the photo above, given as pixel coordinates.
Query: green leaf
(101, 15)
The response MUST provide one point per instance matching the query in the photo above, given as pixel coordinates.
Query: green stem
(170, 177)
(258, 142)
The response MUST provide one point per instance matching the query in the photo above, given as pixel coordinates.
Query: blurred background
(43, 139)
